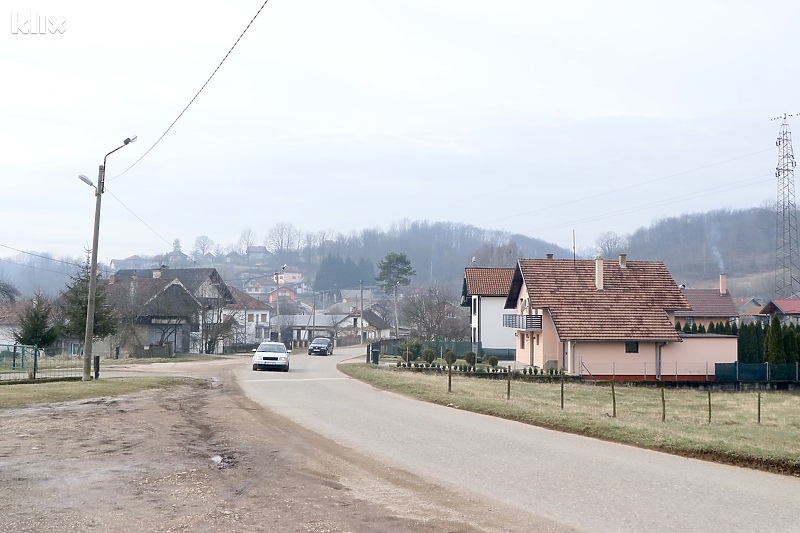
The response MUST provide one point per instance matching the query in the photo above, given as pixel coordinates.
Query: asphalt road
(578, 482)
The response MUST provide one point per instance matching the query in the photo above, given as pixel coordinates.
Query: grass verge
(734, 435)
(22, 395)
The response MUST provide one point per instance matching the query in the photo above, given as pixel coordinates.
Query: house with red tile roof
(708, 305)
(787, 309)
(485, 291)
(606, 320)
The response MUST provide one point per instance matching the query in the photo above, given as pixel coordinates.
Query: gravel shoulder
(208, 459)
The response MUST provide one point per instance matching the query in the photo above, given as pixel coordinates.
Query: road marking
(300, 379)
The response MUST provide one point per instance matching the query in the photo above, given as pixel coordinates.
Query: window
(263, 317)
(631, 347)
(250, 317)
(522, 341)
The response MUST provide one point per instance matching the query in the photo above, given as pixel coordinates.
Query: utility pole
(361, 312)
(396, 316)
(787, 282)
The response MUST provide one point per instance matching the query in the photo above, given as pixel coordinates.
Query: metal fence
(732, 372)
(19, 362)
(460, 348)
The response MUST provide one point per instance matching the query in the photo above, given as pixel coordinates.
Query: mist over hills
(696, 248)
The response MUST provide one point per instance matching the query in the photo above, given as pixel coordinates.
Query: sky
(539, 118)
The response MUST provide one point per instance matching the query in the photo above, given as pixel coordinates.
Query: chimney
(549, 256)
(112, 279)
(723, 285)
(598, 273)
(623, 260)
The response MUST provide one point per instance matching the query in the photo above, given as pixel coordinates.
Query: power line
(196, 95)
(71, 263)
(627, 187)
(34, 267)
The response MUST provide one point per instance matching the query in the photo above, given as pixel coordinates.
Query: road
(579, 483)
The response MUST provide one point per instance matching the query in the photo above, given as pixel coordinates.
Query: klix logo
(36, 24)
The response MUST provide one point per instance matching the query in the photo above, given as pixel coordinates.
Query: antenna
(787, 283)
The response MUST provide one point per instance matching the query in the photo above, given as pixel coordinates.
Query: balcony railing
(524, 322)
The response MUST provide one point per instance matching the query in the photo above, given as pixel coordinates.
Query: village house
(708, 306)
(607, 320)
(485, 291)
(250, 317)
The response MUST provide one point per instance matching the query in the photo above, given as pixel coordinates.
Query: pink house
(605, 320)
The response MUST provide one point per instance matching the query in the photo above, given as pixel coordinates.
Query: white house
(485, 291)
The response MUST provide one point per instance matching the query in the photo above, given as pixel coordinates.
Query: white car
(271, 355)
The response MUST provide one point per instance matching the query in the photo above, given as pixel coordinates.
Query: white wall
(490, 317)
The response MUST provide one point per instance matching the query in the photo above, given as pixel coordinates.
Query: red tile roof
(708, 303)
(242, 300)
(488, 281)
(631, 306)
(786, 306)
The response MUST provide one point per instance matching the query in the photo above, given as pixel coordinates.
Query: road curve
(581, 483)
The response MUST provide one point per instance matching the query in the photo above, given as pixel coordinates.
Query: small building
(485, 291)
(708, 306)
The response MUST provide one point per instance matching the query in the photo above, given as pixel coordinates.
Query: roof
(708, 303)
(191, 278)
(372, 318)
(151, 297)
(242, 300)
(488, 281)
(783, 306)
(632, 306)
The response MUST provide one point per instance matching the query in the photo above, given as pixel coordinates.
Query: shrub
(428, 355)
(470, 358)
(493, 361)
(449, 357)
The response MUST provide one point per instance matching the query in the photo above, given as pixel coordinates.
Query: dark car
(321, 346)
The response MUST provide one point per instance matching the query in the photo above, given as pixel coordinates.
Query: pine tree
(75, 302)
(35, 327)
(790, 345)
(712, 328)
(773, 343)
(678, 325)
(760, 333)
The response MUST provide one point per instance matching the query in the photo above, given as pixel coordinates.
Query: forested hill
(698, 247)
(438, 251)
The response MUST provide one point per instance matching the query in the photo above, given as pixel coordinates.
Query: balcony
(523, 322)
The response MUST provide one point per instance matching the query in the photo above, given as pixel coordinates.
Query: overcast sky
(535, 117)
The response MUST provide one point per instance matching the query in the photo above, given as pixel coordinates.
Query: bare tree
(502, 255)
(8, 292)
(283, 240)
(610, 245)
(202, 245)
(246, 240)
(433, 313)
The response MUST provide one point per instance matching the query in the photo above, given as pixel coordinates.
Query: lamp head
(131, 139)
(86, 180)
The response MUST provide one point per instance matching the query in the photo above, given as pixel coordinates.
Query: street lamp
(98, 192)
(277, 276)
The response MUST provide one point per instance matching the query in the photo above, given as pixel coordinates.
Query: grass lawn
(734, 435)
(24, 394)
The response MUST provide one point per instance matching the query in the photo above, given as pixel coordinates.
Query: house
(708, 306)
(607, 320)
(152, 312)
(485, 291)
(305, 327)
(204, 285)
(251, 317)
(787, 309)
(375, 327)
(11, 320)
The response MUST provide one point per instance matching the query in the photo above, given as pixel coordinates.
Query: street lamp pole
(98, 192)
(396, 317)
(278, 299)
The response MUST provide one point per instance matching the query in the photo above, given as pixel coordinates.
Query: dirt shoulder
(207, 459)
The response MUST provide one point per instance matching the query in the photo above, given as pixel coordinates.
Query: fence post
(663, 406)
(449, 378)
(508, 391)
(645, 370)
(35, 361)
(709, 406)
(759, 408)
(613, 401)
(737, 370)
(767, 371)
(562, 392)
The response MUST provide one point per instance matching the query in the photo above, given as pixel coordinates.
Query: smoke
(712, 238)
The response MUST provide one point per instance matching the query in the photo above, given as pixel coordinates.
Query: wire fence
(19, 362)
